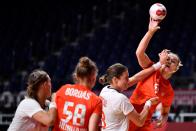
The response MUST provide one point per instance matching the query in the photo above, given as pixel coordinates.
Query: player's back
(75, 104)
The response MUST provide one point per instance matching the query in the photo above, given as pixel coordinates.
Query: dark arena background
(53, 35)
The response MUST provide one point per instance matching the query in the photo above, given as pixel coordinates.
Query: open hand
(153, 25)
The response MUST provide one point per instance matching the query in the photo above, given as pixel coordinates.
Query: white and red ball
(158, 11)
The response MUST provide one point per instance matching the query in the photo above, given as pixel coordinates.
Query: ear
(114, 80)
(44, 84)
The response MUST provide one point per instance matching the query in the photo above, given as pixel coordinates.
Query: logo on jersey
(77, 93)
(156, 88)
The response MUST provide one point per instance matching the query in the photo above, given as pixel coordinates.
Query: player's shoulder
(118, 96)
(92, 98)
(28, 100)
(169, 89)
(64, 87)
(119, 99)
(94, 95)
(28, 103)
(67, 86)
(122, 97)
(104, 90)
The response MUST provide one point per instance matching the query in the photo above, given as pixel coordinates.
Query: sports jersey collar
(161, 77)
(110, 87)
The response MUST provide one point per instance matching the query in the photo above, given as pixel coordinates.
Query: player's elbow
(140, 57)
(137, 53)
(140, 123)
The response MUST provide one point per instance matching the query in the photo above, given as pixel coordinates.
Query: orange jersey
(75, 105)
(152, 86)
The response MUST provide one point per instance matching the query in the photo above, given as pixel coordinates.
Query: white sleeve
(126, 106)
(30, 107)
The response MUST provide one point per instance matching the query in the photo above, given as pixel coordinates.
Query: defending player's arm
(143, 59)
(146, 72)
(47, 117)
(139, 119)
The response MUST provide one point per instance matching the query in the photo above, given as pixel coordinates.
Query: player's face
(123, 80)
(48, 87)
(172, 63)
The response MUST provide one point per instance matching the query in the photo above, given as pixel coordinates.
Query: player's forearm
(143, 115)
(140, 52)
(143, 74)
(138, 118)
(142, 57)
(52, 116)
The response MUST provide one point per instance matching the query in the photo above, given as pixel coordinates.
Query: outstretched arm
(142, 75)
(47, 118)
(142, 57)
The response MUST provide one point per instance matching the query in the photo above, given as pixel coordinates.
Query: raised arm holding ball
(155, 85)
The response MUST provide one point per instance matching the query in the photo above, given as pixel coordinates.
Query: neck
(165, 75)
(115, 87)
(85, 84)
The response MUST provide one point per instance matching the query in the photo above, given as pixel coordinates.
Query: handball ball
(158, 11)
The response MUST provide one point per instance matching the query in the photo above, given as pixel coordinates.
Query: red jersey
(152, 86)
(75, 105)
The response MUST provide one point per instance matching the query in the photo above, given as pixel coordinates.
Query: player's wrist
(157, 65)
(148, 104)
(151, 32)
(52, 105)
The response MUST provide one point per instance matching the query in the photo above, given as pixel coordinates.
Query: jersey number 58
(78, 114)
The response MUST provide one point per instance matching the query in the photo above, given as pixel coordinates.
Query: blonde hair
(84, 69)
(178, 58)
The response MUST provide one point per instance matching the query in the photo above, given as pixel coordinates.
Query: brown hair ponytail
(115, 70)
(35, 79)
